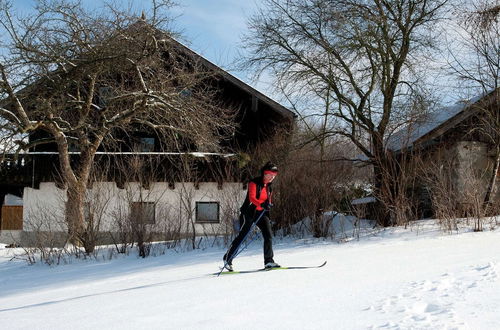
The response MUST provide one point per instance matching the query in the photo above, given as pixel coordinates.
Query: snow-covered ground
(393, 279)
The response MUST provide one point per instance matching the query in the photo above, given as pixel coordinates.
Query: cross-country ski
(267, 269)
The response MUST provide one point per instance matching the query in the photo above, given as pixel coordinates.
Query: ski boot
(228, 264)
(271, 264)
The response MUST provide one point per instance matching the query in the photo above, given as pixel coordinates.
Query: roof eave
(467, 112)
(238, 82)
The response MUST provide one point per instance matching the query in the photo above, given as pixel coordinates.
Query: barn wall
(474, 166)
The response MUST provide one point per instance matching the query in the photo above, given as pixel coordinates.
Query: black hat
(269, 167)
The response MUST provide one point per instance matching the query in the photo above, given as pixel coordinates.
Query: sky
(212, 28)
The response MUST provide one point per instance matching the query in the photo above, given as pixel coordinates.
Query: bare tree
(476, 56)
(360, 54)
(45, 237)
(438, 176)
(312, 180)
(141, 214)
(82, 80)
(477, 63)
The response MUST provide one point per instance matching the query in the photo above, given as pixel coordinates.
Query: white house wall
(44, 207)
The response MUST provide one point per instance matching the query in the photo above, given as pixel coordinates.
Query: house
(201, 198)
(456, 148)
(449, 157)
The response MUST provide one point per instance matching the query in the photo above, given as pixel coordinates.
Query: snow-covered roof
(409, 134)
(12, 200)
(363, 200)
(198, 154)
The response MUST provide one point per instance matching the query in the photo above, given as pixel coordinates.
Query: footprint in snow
(422, 305)
(431, 303)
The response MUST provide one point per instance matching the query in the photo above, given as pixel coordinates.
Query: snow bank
(336, 225)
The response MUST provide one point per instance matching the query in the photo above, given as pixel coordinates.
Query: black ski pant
(264, 225)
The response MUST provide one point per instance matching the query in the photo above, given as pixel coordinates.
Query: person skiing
(255, 208)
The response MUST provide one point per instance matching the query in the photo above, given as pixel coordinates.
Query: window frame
(207, 221)
(146, 144)
(133, 218)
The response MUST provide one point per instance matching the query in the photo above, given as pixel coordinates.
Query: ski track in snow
(431, 304)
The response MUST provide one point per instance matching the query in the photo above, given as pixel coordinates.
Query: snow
(408, 135)
(364, 200)
(12, 200)
(335, 226)
(411, 133)
(418, 278)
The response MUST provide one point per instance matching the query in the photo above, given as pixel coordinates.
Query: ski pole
(237, 250)
(246, 243)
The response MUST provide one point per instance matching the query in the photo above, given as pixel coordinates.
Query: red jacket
(258, 193)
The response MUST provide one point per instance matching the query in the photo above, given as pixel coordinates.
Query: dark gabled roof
(278, 108)
(232, 79)
(437, 122)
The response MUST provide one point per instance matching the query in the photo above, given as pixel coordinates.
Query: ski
(266, 269)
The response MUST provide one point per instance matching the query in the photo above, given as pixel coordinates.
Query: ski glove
(266, 206)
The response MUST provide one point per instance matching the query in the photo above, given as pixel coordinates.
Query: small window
(105, 93)
(73, 147)
(186, 92)
(87, 210)
(146, 144)
(143, 212)
(207, 212)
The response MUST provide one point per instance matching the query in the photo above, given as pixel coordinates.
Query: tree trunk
(382, 182)
(383, 185)
(490, 192)
(76, 190)
(75, 216)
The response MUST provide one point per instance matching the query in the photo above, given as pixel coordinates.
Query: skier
(256, 208)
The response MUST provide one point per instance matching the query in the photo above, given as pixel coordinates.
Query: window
(207, 212)
(87, 210)
(186, 92)
(73, 147)
(146, 144)
(105, 93)
(143, 212)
